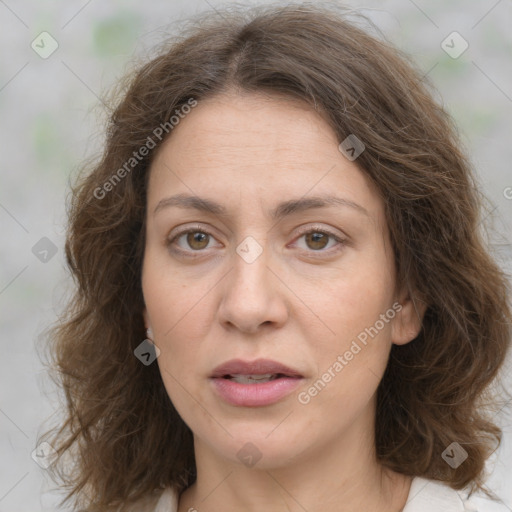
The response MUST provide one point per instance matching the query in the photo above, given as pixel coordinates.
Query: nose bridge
(252, 253)
(250, 268)
(251, 296)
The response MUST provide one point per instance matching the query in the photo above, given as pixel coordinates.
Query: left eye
(317, 240)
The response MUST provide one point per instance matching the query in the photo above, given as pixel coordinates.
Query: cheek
(355, 299)
(180, 318)
(350, 308)
(351, 362)
(174, 301)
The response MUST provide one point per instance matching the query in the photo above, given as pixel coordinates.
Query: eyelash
(341, 242)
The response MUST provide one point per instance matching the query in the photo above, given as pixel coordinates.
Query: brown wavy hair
(121, 439)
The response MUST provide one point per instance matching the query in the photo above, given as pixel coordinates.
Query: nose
(253, 295)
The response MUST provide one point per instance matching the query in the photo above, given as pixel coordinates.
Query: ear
(408, 319)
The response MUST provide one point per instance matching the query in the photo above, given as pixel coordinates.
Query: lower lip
(255, 395)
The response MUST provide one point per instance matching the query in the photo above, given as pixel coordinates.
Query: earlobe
(408, 321)
(147, 325)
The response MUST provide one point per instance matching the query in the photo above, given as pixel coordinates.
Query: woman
(283, 299)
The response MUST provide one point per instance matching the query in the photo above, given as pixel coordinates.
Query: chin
(254, 450)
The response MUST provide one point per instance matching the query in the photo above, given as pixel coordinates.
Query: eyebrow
(282, 210)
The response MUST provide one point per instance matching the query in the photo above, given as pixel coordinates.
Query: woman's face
(274, 247)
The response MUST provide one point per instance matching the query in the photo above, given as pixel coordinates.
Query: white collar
(432, 496)
(424, 496)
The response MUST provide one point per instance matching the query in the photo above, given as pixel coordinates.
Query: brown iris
(197, 240)
(316, 240)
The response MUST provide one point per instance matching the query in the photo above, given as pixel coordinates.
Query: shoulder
(431, 496)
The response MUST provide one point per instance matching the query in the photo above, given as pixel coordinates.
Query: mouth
(254, 379)
(260, 369)
(254, 383)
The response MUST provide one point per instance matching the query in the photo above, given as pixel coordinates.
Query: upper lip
(256, 367)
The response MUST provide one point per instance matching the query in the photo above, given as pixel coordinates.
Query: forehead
(261, 126)
(259, 148)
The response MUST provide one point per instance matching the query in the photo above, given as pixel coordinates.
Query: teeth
(253, 379)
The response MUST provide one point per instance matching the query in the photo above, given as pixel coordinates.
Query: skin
(301, 302)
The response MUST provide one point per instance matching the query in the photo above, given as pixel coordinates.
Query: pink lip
(256, 367)
(254, 395)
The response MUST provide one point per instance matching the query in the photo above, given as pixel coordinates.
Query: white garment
(433, 496)
(424, 496)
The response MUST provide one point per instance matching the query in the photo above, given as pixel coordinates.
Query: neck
(337, 477)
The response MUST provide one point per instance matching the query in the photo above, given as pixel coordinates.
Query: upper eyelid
(302, 230)
(316, 227)
(190, 229)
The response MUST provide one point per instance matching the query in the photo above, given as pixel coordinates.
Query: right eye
(191, 240)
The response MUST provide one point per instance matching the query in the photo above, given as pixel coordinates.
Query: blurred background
(58, 60)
